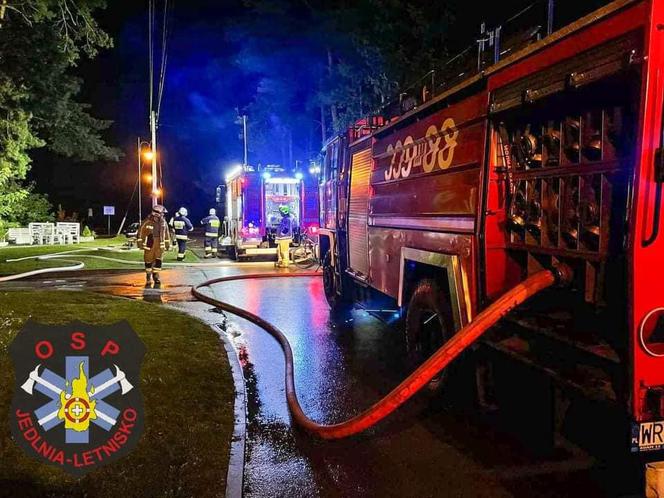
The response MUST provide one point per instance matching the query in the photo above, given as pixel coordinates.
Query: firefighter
(285, 236)
(182, 227)
(154, 238)
(212, 224)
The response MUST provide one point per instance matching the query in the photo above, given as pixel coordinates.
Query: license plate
(648, 436)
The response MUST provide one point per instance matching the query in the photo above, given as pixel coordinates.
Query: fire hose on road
(415, 381)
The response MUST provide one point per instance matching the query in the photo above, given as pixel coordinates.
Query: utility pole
(153, 129)
(3, 8)
(140, 210)
(241, 119)
(244, 134)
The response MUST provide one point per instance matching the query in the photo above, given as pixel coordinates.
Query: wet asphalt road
(426, 449)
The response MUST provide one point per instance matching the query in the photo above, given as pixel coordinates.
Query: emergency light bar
(282, 180)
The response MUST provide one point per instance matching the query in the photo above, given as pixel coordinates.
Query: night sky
(198, 139)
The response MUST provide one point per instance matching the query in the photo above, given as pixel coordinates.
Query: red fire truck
(253, 199)
(548, 150)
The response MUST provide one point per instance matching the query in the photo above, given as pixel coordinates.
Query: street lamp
(148, 157)
(148, 154)
(157, 193)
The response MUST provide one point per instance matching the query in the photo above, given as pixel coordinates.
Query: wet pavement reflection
(341, 367)
(428, 448)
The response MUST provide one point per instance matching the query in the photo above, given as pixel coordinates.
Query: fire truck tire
(428, 327)
(334, 300)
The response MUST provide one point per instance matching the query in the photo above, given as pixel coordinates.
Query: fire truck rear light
(651, 333)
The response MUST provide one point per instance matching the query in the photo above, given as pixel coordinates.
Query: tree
(340, 60)
(71, 21)
(33, 60)
(35, 207)
(40, 41)
(15, 138)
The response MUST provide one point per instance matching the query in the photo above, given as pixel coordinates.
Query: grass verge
(14, 252)
(183, 451)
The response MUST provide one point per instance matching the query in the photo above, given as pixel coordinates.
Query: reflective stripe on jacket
(182, 225)
(212, 224)
(154, 229)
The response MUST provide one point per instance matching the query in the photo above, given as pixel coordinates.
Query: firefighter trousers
(152, 258)
(283, 248)
(182, 248)
(211, 244)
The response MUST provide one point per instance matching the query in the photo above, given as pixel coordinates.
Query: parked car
(131, 232)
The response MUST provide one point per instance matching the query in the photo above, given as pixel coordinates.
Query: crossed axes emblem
(120, 378)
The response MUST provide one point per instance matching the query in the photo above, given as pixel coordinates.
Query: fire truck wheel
(335, 301)
(428, 327)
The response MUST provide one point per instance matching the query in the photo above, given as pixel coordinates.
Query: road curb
(235, 474)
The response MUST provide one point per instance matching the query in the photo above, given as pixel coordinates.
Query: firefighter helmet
(159, 209)
(213, 212)
(284, 210)
(183, 211)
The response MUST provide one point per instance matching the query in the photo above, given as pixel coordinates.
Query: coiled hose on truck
(415, 381)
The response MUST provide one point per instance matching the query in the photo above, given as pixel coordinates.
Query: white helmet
(213, 211)
(183, 211)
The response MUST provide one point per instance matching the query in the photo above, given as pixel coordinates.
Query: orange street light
(148, 155)
(147, 177)
(156, 192)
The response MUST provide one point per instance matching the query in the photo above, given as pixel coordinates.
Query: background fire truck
(547, 150)
(252, 213)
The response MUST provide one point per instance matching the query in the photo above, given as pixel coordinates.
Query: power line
(151, 50)
(164, 54)
(161, 183)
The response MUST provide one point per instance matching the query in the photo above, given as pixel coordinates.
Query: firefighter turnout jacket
(154, 234)
(182, 226)
(287, 226)
(154, 238)
(212, 225)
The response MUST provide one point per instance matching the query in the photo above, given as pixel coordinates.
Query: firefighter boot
(148, 278)
(157, 281)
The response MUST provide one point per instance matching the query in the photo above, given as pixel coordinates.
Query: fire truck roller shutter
(360, 176)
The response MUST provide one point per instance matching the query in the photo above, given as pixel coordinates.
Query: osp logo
(76, 400)
(427, 152)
